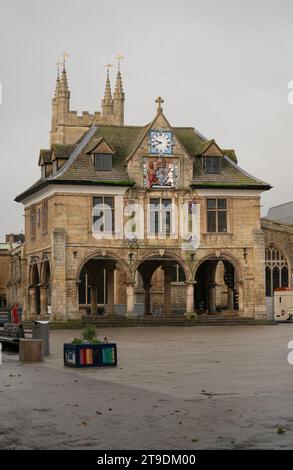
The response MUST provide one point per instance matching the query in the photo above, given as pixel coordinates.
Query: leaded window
(276, 269)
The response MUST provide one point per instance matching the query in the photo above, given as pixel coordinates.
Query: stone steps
(173, 321)
(170, 320)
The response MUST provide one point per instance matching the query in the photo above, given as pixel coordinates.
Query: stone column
(212, 297)
(43, 300)
(94, 294)
(147, 299)
(230, 299)
(130, 299)
(189, 298)
(33, 302)
(167, 292)
(110, 292)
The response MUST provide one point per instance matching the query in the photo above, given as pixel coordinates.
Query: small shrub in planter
(89, 351)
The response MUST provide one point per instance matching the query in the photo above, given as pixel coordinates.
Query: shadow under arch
(219, 281)
(98, 275)
(156, 276)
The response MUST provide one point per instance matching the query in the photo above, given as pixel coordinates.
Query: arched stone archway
(100, 278)
(218, 285)
(34, 290)
(161, 280)
(45, 288)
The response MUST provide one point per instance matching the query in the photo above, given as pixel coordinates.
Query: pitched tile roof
(79, 169)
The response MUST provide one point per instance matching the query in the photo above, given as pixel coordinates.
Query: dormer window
(212, 164)
(103, 161)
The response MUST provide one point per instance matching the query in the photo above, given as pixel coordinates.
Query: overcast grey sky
(222, 66)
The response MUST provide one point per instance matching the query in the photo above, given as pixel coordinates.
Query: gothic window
(103, 214)
(217, 215)
(103, 161)
(276, 269)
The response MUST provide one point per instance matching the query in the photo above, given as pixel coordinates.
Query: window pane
(109, 201)
(103, 162)
(222, 221)
(284, 276)
(174, 273)
(155, 202)
(222, 203)
(98, 200)
(211, 221)
(154, 222)
(181, 274)
(212, 164)
(166, 222)
(268, 282)
(212, 203)
(276, 278)
(166, 203)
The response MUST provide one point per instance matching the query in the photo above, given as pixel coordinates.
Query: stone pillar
(130, 299)
(212, 298)
(58, 271)
(43, 301)
(110, 292)
(189, 298)
(167, 291)
(230, 299)
(33, 302)
(147, 299)
(94, 295)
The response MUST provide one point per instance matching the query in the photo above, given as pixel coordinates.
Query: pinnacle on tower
(58, 81)
(119, 96)
(60, 102)
(64, 82)
(107, 102)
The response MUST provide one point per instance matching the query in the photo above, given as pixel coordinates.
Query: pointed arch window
(276, 269)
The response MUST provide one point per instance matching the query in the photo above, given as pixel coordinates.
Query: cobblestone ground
(174, 388)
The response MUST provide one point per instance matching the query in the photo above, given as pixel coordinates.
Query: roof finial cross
(65, 56)
(108, 68)
(159, 102)
(119, 57)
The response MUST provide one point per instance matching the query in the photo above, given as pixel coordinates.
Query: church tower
(68, 126)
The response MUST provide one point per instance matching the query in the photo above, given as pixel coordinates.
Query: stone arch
(219, 271)
(157, 272)
(103, 255)
(34, 289)
(101, 276)
(167, 256)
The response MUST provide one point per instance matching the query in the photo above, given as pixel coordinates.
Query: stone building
(4, 272)
(130, 220)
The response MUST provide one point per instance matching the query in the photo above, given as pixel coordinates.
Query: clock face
(161, 142)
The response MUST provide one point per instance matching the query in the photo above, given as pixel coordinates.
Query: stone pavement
(174, 388)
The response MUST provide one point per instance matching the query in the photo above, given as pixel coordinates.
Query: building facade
(131, 220)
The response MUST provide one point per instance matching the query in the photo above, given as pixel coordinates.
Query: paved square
(188, 388)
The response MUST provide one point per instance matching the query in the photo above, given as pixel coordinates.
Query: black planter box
(90, 355)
